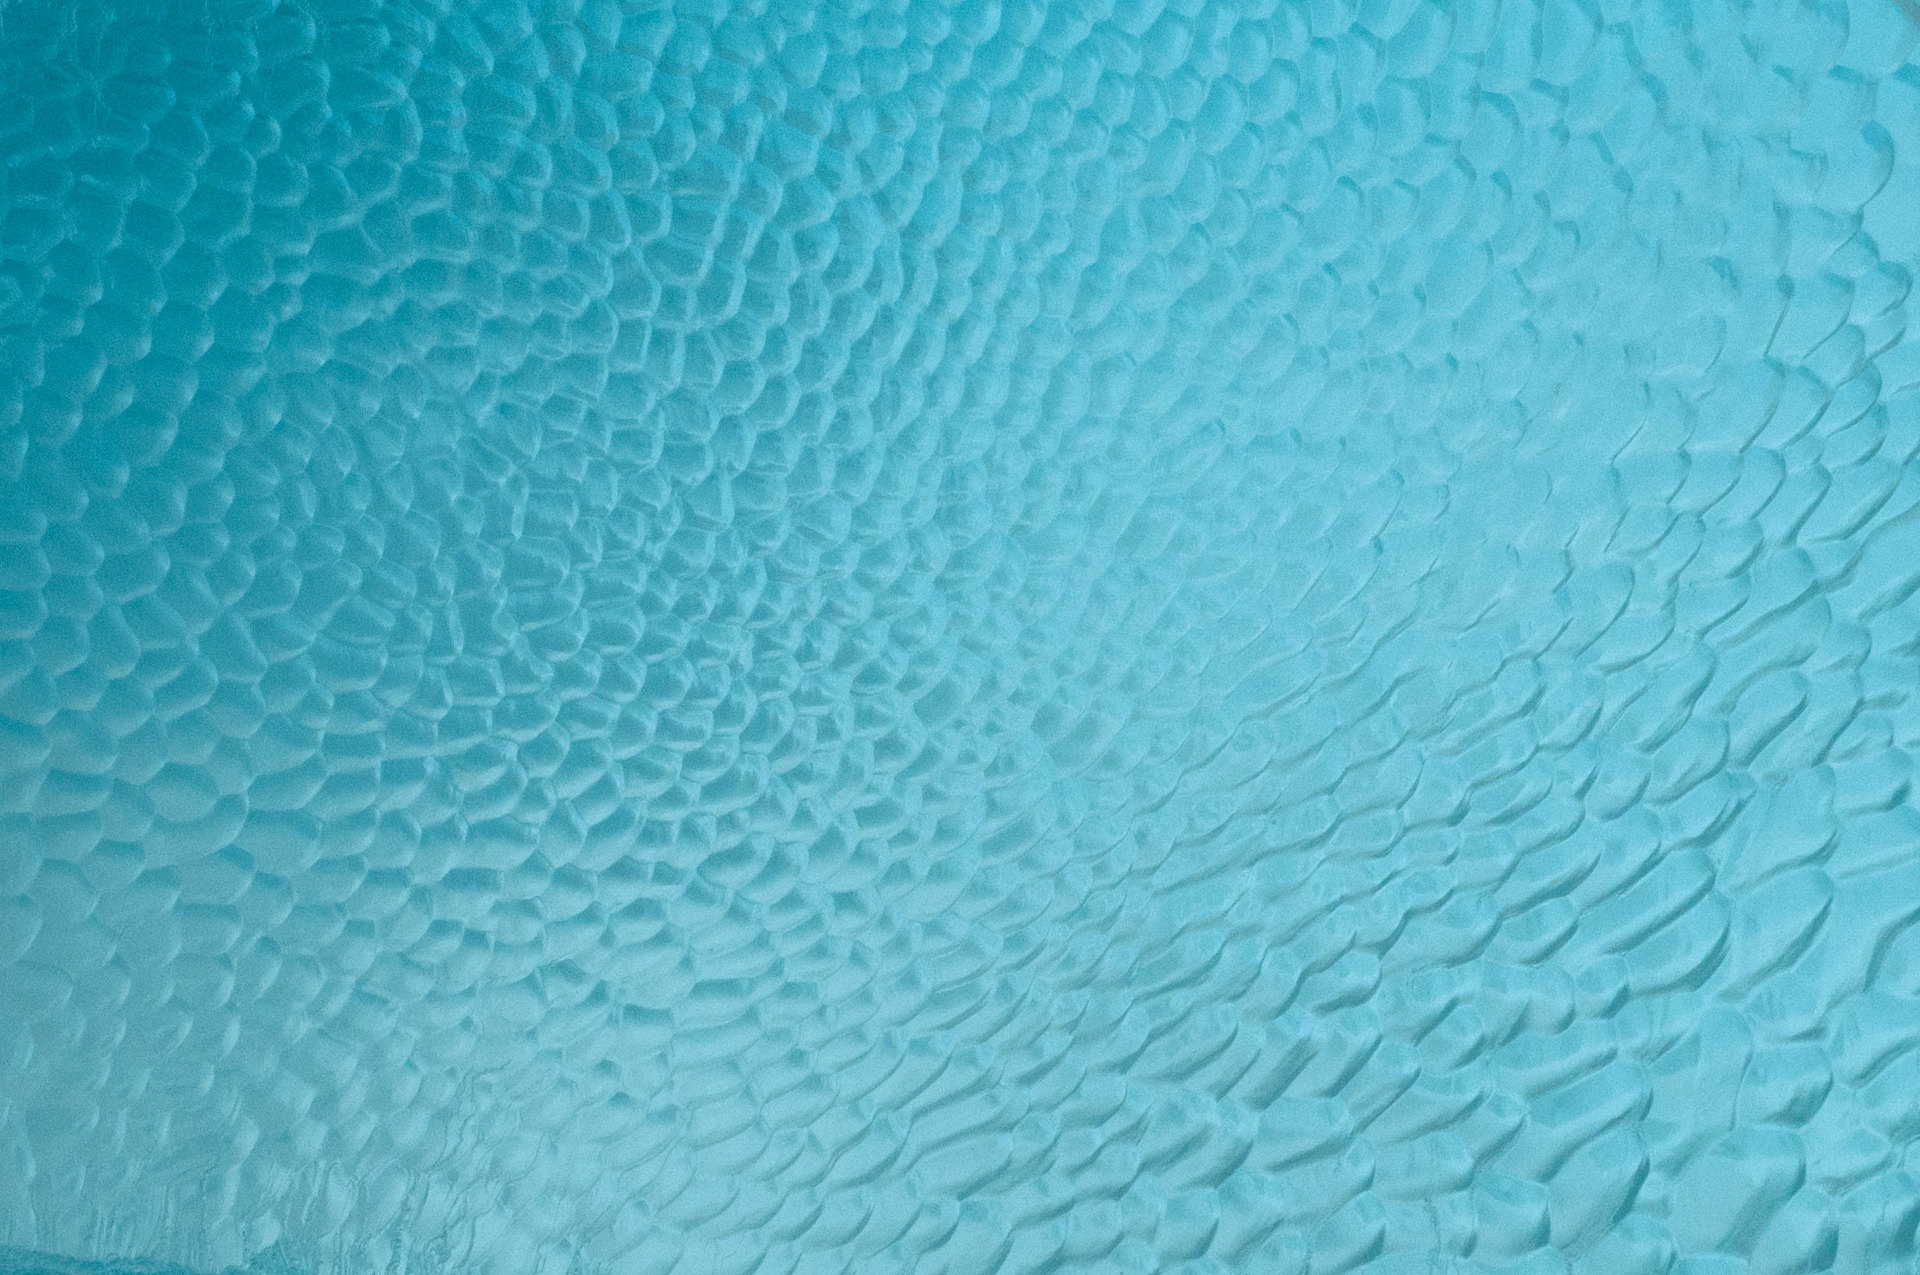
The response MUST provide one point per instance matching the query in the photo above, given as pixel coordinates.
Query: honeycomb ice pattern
(777, 638)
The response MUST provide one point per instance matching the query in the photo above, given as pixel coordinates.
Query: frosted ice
(1021, 636)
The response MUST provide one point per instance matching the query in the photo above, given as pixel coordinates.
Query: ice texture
(1020, 636)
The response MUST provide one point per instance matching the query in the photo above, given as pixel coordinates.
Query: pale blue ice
(1194, 636)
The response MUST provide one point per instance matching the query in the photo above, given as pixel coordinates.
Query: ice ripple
(1197, 636)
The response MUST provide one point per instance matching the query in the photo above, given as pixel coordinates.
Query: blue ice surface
(1024, 636)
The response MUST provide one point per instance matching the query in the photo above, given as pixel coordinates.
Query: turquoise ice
(1031, 636)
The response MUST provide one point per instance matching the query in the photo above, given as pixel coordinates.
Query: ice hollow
(1016, 636)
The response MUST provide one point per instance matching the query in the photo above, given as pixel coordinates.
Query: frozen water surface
(1124, 636)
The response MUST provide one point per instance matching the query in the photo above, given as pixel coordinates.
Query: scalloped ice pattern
(1199, 636)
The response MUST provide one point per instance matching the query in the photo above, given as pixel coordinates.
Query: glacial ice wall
(1273, 636)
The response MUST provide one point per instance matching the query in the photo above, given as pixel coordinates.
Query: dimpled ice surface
(1205, 636)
